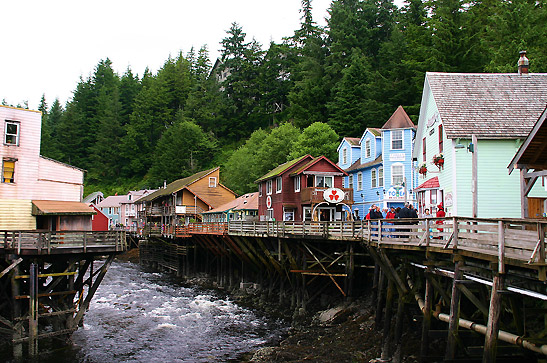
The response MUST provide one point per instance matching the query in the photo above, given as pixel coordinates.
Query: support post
(426, 323)
(491, 338)
(379, 300)
(386, 348)
(33, 311)
(454, 314)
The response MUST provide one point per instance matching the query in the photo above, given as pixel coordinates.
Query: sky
(49, 45)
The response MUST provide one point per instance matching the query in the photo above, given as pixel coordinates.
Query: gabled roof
(315, 161)
(532, 153)
(177, 185)
(93, 196)
(247, 201)
(490, 106)
(283, 168)
(57, 207)
(399, 120)
(112, 201)
(357, 165)
(352, 141)
(432, 183)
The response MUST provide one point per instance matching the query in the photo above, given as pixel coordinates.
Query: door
(536, 207)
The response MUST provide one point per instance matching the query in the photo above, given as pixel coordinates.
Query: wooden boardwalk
(484, 275)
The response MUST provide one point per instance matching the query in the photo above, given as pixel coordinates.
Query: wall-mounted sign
(180, 209)
(432, 120)
(448, 202)
(269, 201)
(397, 192)
(333, 195)
(397, 157)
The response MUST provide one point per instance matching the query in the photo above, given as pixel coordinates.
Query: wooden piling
(379, 300)
(386, 347)
(426, 323)
(454, 313)
(491, 338)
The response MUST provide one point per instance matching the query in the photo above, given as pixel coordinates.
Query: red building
(306, 188)
(99, 221)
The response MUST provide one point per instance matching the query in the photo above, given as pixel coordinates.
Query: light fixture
(471, 148)
(458, 145)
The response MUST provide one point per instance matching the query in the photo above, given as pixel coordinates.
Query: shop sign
(269, 201)
(396, 192)
(333, 195)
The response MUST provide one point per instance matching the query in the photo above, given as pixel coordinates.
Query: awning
(432, 183)
(57, 207)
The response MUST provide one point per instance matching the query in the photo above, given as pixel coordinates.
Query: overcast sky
(49, 45)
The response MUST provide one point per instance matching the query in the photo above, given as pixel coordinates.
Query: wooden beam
(10, 267)
(324, 269)
(491, 338)
(453, 322)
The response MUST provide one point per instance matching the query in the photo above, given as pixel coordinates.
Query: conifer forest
(260, 105)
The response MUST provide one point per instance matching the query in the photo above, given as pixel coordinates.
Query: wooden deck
(505, 241)
(61, 242)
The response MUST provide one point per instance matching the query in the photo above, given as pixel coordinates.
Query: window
(212, 182)
(278, 184)
(359, 181)
(440, 138)
(373, 181)
(397, 140)
(8, 171)
(11, 133)
(297, 183)
(326, 181)
(397, 174)
(367, 148)
(350, 181)
(268, 187)
(260, 189)
(423, 150)
(381, 176)
(344, 156)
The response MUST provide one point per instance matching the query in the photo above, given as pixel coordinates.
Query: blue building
(379, 164)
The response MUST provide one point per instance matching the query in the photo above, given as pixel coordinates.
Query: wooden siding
(215, 196)
(16, 215)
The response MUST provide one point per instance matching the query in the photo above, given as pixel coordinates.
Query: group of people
(408, 211)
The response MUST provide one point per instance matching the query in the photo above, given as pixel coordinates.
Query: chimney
(165, 181)
(523, 63)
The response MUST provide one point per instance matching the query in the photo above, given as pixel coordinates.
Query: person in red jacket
(440, 214)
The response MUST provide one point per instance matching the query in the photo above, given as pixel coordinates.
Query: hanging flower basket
(438, 160)
(423, 170)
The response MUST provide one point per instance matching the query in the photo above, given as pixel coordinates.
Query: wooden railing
(48, 241)
(522, 240)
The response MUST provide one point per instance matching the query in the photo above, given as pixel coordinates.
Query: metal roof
(57, 207)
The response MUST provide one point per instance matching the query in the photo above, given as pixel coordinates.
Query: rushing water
(139, 316)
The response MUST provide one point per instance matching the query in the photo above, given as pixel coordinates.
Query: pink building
(32, 187)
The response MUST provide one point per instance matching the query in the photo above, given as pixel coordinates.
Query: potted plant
(438, 160)
(423, 170)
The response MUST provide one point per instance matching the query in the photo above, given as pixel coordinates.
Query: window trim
(17, 135)
(331, 177)
(212, 179)
(350, 181)
(278, 185)
(269, 188)
(368, 148)
(373, 179)
(381, 177)
(4, 161)
(359, 181)
(402, 173)
(396, 132)
(424, 150)
(297, 183)
(441, 146)
(345, 155)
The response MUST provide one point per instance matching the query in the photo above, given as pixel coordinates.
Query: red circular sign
(269, 201)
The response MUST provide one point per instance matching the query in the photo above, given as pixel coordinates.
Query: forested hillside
(281, 100)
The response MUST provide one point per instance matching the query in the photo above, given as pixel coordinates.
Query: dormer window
(212, 182)
(367, 148)
(11, 133)
(344, 156)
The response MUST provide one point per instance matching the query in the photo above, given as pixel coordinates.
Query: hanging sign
(269, 201)
(333, 195)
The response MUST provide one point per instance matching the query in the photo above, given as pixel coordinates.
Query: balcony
(315, 195)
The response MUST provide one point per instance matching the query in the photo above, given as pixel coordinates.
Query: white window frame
(297, 183)
(324, 178)
(278, 185)
(373, 180)
(10, 134)
(359, 181)
(344, 156)
(269, 214)
(260, 189)
(393, 174)
(304, 210)
(350, 181)
(212, 182)
(381, 176)
(269, 187)
(368, 148)
(393, 139)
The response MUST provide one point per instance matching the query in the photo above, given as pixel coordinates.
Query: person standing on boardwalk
(440, 214)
